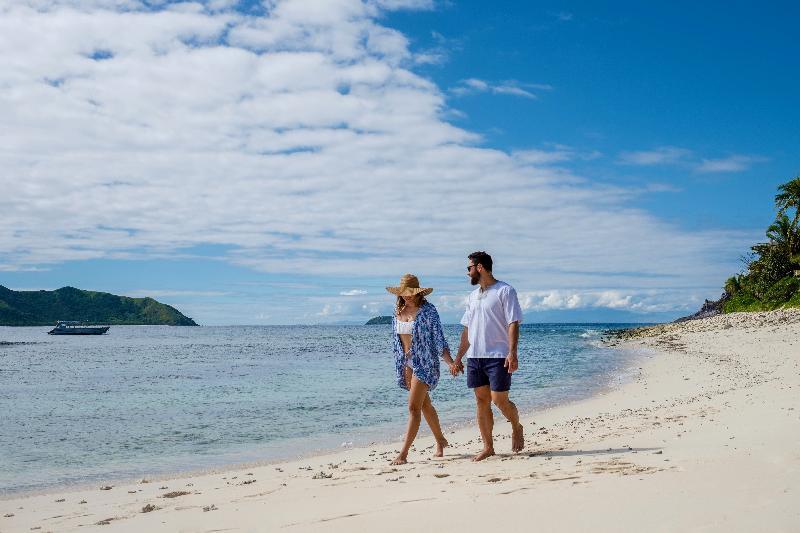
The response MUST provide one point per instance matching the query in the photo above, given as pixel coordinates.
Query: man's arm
(463, 346)
(441, 341)
(512, 362)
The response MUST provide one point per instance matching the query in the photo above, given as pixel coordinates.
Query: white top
(405, 327)
(488, 315)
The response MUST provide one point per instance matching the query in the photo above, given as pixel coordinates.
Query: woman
(418, 342)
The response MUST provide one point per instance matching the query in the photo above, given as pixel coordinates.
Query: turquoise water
(150, 400)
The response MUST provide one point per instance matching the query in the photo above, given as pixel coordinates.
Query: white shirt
(488, 315)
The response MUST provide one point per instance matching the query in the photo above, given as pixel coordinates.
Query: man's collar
(482, 289)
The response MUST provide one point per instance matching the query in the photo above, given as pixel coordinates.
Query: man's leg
(509, 410)
(483, 401)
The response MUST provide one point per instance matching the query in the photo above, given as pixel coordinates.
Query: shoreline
(611, 381)
(702, 438)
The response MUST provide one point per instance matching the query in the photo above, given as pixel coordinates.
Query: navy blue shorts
(487, 371)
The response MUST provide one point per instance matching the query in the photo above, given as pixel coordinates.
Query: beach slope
(705, 437)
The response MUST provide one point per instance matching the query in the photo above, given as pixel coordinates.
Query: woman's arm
(441, 342)
(438, 333)
(447, 358)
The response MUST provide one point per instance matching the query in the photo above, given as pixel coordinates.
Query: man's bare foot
(484, 454)
(400, 460)
(440, 446)
(517, 439)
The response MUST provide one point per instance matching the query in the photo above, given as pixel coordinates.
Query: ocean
(158, 400)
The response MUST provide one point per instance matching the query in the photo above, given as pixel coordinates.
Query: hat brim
(409, 291)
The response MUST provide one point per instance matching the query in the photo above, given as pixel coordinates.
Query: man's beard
(474, 279)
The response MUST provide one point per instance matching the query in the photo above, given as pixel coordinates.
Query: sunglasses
(470, 267)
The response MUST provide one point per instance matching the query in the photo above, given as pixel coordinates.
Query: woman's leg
(432, 418)
(416, 397)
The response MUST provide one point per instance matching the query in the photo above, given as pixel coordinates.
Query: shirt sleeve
(511, 307)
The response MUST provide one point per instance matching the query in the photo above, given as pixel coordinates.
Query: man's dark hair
(481, 258)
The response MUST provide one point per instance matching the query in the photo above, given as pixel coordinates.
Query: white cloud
(20, 268)
(450, 302)
(556, 153)
(439, 53)
(658, 156)
(510, 87)
(543, 157)
(301, 142)
(661, 187)
(404, 4)
(734, 163)
(376, 308)
(671, 155)
(633, 300)
(353, 292)
(162, 293)
(334, 311)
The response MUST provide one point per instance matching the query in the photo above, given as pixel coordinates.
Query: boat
(71, 327)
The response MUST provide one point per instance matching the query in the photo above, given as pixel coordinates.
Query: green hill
(771, 277)
(44, 308)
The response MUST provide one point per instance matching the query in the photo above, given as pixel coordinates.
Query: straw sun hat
(409, 286)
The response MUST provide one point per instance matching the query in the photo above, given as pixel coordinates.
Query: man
(489, 341)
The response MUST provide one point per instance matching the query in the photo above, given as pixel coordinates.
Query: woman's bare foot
(400, 459)
(484, 454)
(517, 439)
(440, 446)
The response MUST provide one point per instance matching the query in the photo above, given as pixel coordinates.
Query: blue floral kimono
(427, 346)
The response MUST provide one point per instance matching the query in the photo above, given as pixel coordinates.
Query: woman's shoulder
(428, 308)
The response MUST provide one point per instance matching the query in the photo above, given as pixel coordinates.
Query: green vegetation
(770, 280)
(44, 308)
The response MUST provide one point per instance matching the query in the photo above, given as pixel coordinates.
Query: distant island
(379, 320)
(44, 308)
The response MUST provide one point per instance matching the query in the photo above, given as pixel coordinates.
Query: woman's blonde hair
(401, 303)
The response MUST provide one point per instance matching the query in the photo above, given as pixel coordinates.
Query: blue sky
(715, 78)
(283, 162)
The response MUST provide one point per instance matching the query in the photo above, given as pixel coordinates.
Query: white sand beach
(705, 438)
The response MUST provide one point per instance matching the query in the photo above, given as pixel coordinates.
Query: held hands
(456, 368)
